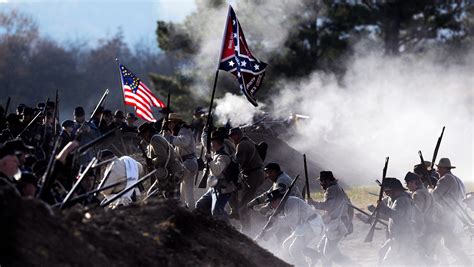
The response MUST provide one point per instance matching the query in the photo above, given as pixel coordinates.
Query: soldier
(9, 166)
(67, 128)
(305, 225)
(251, 168)
(84, 132)
(449, 193)
(163, 157)
(179, 134)
(280, 181)
(198, 123)
(401, 212)
(220, 186)
(428, 209)
(120, 169)
(335, 210)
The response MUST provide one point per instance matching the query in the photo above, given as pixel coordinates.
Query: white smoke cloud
(236, 109)
(385, 107)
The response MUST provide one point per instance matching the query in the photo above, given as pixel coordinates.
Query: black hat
(5, 151)
(275, 194)
(145, 127)
(326, 176)
(272, 166)
(20, 108)
(392, 183)
(18, 145)
(217, 135)
(79, 112)
(67, 123)
(411, 177)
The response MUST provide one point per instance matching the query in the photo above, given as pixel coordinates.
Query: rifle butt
(370, 235)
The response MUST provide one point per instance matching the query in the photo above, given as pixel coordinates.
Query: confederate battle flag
(237, 59)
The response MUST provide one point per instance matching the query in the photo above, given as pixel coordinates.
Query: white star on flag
(243, 63)
(231, 63)
(257, 67)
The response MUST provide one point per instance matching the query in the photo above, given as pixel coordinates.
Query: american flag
(137, 94)
(237, 59)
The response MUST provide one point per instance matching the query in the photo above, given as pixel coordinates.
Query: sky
(69, 20)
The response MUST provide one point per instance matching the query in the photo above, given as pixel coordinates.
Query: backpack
(262, 149)
(231, 173)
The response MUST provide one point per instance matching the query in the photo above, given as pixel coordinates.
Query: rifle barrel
(308, 194)
(277, 210)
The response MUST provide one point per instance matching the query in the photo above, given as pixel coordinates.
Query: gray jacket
(401, 212)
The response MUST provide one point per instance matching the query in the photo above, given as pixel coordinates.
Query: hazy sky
(69, 20)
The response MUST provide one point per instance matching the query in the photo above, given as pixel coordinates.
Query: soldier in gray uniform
(170, 170)
(428, 210)
(181, 137)
(401, 225)
(335, 209)
(281, 181)
(251, 166)
(449, 193)
(220, 186)
(305, 226)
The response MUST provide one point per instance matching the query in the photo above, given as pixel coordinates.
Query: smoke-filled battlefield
(237, 133)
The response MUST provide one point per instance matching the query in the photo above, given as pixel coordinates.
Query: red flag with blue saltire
(237, 59)
(137, 94)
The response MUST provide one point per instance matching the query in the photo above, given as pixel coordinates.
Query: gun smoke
(385, 106)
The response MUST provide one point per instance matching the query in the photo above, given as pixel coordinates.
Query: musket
(79, 181)
(205, 175)
(87, 194)
(435, 153)
(7, 107)
(101, 101)
(366, 214)
(47, 180)
(126, 190)
(426, 173)
(275, 213)
(56, 114)
(308, 194)
(375, 215)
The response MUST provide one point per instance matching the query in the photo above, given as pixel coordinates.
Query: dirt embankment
(159, 233)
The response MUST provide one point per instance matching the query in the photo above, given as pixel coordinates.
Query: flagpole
(121, 85)
(203, 182)
(218, 63)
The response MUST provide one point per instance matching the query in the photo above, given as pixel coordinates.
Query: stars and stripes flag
(137, 94)
(237, 59)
